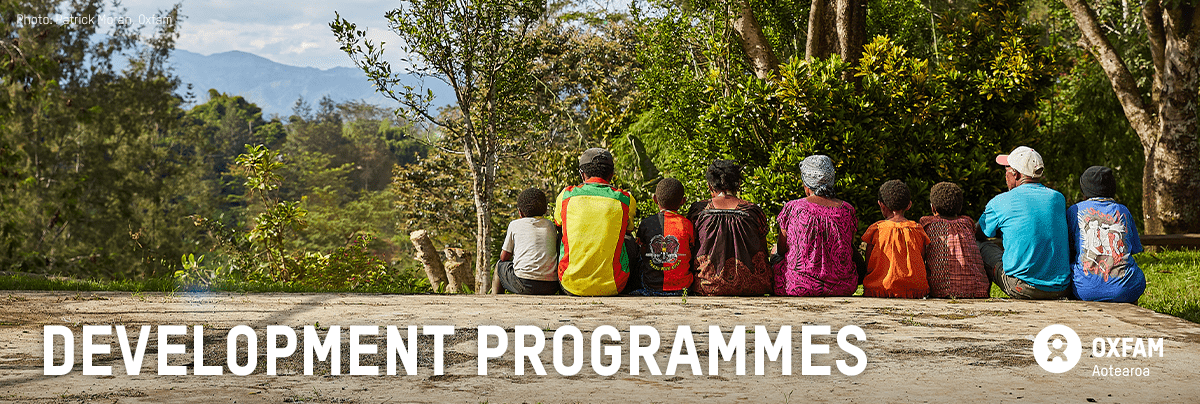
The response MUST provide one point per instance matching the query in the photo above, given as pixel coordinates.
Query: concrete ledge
(917, 350)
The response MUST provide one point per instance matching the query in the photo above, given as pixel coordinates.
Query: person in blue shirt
(1103, 241)
(1031, 221)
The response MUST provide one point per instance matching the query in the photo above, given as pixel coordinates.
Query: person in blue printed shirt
(1103, 241)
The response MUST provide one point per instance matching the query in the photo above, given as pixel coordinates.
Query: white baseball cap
(1023, 159)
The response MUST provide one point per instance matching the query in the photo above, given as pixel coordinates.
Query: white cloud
(290, 32)
(293, 33)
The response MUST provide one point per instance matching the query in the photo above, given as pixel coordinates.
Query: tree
(768, 32)
(851, 29)
(1082, 123)
(482, 50)
(754, 44)
(1166, 125)
(340, 160)
(836, 27)
(94, 175)
(222, 127)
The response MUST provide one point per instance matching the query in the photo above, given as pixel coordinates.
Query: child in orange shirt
(896, 248)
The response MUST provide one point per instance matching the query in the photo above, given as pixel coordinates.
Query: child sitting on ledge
(895, 248)
(530, 252)
(952, 257)
(666, 241)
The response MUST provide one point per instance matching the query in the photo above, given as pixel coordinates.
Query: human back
(818, 257)
(1030, 219)
(952, 257)
(895, 248)
(1103, 241)
(816, 235)
(666, 242)
(594, 217)
(529, 255)
(731, 245)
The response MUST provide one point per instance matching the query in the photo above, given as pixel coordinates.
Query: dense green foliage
(1082, 123)
(107, 174)
(919, 120)
(327, 176)
(98, 171)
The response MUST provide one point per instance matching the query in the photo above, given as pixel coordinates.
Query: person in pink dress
(816, 236)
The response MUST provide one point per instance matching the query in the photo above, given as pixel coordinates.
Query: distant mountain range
(275, 87)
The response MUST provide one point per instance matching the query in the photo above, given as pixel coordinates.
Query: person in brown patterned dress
(731, 235)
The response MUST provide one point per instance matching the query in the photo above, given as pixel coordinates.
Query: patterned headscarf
(817, 173)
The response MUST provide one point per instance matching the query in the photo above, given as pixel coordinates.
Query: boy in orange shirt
(896, 248)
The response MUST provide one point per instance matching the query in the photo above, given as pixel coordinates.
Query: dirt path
(916, 350)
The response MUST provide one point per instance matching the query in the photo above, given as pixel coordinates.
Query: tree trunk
(483, 236)
(822, 27)
(1171, 178)
(428, 257)
(484, 183)
(458, 270)
(851, 31)
(1176, 161)
(754, 43)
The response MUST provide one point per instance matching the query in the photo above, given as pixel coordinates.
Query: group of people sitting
(1027, 241)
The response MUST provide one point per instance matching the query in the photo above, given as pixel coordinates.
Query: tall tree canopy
(483, 50)
(90, 162)
(1164, 118)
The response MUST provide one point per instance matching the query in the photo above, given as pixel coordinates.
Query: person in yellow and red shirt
(594, 216)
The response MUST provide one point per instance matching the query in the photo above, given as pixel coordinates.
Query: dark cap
(1098, 181)
(595, 154)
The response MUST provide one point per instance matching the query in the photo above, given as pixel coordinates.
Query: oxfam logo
(1057, 348)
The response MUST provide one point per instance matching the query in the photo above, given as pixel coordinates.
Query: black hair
(724, 175)
(532, 202)
(669, 194)
(895, 195)
(946, 198)
(602, 169)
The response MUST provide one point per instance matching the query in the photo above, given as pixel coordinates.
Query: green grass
(168, 285)
(1172, 283)
(997, 293)
(25, 282)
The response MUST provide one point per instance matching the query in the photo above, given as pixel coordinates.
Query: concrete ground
(916, 350)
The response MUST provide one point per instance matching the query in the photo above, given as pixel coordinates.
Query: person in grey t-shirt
(530, 253)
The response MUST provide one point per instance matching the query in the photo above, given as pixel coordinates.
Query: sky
(290, 32)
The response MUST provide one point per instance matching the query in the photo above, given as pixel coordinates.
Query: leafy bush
(265, 254)
(919, 120)
(349, 266)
